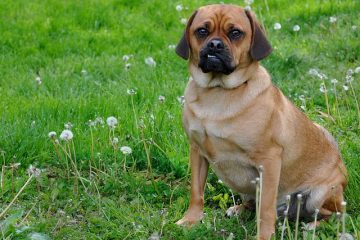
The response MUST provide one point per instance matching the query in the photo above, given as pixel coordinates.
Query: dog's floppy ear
(260, 46)
(182, 48)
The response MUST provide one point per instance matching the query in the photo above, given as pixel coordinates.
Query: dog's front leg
(270, 185)
(199, 170)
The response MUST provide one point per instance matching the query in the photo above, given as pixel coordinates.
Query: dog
(236, 120)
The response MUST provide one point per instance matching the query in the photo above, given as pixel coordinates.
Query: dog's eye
(202, 32)
(235, 34)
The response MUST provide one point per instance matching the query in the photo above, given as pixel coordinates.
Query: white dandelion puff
(150, 62)
(68, 125)
(66, 135)
(357, 70)
(183, 21)
(38, 80)
(52, 134)
(115, 141)
(171, 46)
(181, 100)
(296, 28)
(127, 66)
(334, 81)
(126, 58)
(248, 2)
(277, 26)
(161, 99)
(111, 122)
(346, 87)
(248, 8)
(126, 150)
(332, 19)
(354, 27)
(313, 72)
(99, 120)
(34, 171)
(179, 8)
(131, 92)
(322, 88)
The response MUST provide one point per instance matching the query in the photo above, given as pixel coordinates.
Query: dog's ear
(183, 48)
(260, 46)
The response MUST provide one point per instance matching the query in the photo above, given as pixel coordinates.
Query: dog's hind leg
(248, 203)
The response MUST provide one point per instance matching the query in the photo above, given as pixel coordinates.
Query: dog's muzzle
(215, 57)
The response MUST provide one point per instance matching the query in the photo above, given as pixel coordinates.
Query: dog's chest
(226, 146)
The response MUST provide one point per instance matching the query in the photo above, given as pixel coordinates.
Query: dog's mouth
(218, 62)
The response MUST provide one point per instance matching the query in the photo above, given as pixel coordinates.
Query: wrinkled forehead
(221, 16)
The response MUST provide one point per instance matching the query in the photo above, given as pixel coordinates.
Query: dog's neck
(209, 80)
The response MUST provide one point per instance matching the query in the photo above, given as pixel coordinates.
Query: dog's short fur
(237, 120)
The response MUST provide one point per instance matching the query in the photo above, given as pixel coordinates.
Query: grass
(77, 48)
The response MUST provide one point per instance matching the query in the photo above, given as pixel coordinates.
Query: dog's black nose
(216, 44)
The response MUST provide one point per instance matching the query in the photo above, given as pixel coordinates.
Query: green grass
(57, 40)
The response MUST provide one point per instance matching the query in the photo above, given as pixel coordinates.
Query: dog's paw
(190, 219)
(234, 211)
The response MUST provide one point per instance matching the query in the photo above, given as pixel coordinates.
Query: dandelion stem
(92, 152)
(326, 99)
(315, 222)
(343, 204)
(356, 102)
(257, 208)
(16, 196)
(148, 160)
(299, 197)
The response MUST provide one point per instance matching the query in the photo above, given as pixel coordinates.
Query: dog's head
(219, 39)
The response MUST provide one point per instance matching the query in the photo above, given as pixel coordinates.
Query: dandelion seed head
(313, 72)
(353, 27)
(183, 21)
(38, 80)
(115, 141)
(261, 168)
(91, 123)
(66, 135)
(286, 212)
(52, 134)
(171, 46)
(179, 8)
(68, 125)
(345, 87)
(111, 122)
(99, 120)
(277, 26)
(126, 58)
(323, 88)
(56, 141)
(181, 100)
(357, 70)
(161, 99)
(126, 150)
(150, 62)
(248, 8)
(248, 2)
(332, 19)
(299, 196)
(288, 197)
(343, 203)
(296, 28)
(345, 236)
(131, 92)
(220, 181)
(34, 171)
(33, 124)
(127, 66)
(334, 81)
(316, 210)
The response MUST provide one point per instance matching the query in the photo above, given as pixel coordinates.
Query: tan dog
(236, 120)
